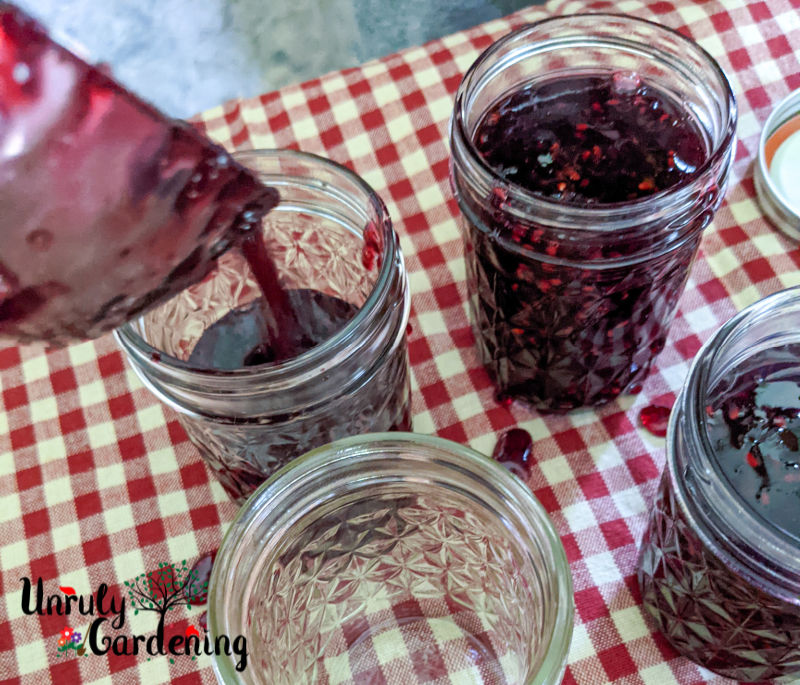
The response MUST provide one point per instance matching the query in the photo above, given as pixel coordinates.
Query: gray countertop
(189, 55)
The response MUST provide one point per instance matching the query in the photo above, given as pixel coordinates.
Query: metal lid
(777, 170)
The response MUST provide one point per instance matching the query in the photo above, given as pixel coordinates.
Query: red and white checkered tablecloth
(98, 483)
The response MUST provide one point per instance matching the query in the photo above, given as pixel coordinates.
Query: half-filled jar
(251, 398)
(719, 566)
(589, 152)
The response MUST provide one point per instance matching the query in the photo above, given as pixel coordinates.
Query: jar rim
(276, 506)
(273, 373)
(723, 509)
(618, 211)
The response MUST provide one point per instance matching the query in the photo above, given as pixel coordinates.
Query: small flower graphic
(66, 632)
(76, 637)
(62, 641)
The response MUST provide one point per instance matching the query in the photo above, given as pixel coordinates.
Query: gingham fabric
(98, 483)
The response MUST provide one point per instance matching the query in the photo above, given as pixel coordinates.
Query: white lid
(777, 170)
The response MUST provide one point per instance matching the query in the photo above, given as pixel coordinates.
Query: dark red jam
(591, 139)
(706, 609)
(242, 337)
(575, 318)
(753, 427)
(108, 206)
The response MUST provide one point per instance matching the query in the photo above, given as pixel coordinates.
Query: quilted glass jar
(719, 565)
(393, 558)
(572, 298)
(329, 234)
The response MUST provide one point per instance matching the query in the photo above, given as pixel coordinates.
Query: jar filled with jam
(589, 152)
(719, 566)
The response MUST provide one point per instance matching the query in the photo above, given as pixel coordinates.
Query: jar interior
(752, 401)
(597, 45)
(418, 575)
(316, 238)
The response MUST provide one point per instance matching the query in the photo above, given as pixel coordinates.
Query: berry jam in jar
(719, 565)
(253, 393)
(585, 178)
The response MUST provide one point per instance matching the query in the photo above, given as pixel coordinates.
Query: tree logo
(165, 589)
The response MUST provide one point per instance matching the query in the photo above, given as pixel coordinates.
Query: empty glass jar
(329, 236)
(394, 558)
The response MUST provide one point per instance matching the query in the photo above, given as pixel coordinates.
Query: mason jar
(719, 565)
(572, 297)
(334, 249)
(394, 558)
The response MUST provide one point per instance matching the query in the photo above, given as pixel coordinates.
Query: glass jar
(572, 302)
(109, 206)
(329, 234)
(393, 558)
(719, 566)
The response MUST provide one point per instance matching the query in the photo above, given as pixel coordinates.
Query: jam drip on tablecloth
(514, 450)
(707, 610)
(568, 319)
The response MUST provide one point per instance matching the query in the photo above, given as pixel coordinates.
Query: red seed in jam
(513, 450)
(655, 419)
(559, 325)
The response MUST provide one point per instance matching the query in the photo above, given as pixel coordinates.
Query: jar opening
(380, 497)
(734, 419)
(596, 43)
(314, 191)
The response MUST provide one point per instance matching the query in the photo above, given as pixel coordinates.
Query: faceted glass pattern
(563, 335)
(402, 589)
(244, 454)
(706, 610)
(358, 382)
